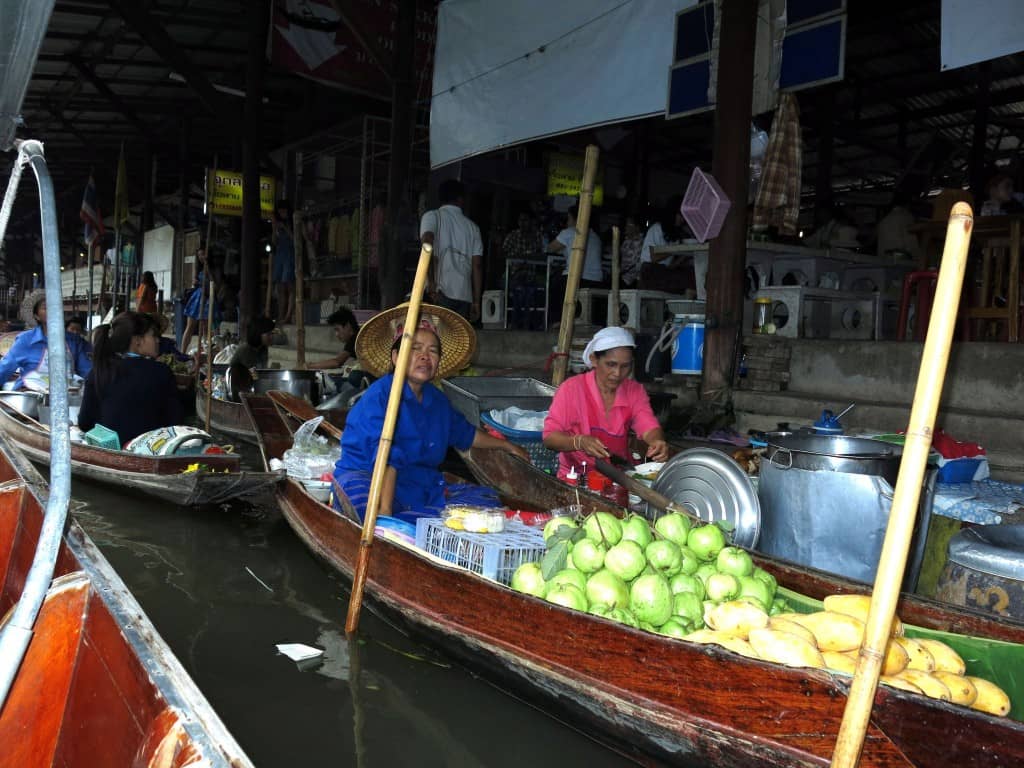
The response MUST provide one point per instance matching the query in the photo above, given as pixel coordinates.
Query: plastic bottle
(571, 477)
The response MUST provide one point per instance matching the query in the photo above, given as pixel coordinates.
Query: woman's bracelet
(576, 442)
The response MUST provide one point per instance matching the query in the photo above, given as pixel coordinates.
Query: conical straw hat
(378, 334)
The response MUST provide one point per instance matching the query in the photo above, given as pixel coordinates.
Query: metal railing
(17, 632)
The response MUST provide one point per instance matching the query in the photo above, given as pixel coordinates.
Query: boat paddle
(355, 602)
(893, 560)
(658, 501)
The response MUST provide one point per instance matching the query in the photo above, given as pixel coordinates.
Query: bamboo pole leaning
(380, 465)
(893, 559)
(300, 320)
(576, 258)
(613, 297)
(209, 343)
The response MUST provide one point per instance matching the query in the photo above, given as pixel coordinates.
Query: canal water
(224, 584)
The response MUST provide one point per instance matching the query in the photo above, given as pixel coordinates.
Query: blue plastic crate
(541, 457)
(103, 437)
(493, 555)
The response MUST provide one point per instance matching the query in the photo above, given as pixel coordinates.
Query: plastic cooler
(492, 555)
(541, 457)
(704, 205)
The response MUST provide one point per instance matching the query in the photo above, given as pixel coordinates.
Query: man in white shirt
(590, 277)
(457, 273)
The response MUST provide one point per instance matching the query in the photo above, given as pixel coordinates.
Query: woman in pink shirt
(592, 414)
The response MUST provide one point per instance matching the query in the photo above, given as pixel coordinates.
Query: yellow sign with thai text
(565, 176)
(225, 192)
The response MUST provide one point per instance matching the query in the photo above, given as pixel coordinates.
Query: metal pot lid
(997, 550)
(715, 487)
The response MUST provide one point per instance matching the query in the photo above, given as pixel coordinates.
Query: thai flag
(90, 214)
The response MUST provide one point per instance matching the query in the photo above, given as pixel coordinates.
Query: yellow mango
(784, 648)
(895, 660)
(724, 639)
(920, 658)
(857, 606)
(927, 682)
(736, 618)
(991, 698)
(787, 625)
(946, 659)
(962, 690)
(840, 662)
(833, 631)
(894, 681)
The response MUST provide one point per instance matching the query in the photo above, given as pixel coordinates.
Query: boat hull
(98, 687)
(226, 417)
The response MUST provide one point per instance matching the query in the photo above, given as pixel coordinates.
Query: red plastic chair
(921, 287)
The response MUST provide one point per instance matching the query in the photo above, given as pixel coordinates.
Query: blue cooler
(688, 347)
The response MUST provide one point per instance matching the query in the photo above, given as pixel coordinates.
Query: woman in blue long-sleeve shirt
(29, 359)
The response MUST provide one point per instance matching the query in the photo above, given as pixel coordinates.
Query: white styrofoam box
(640, 309)
(865, 278)
(492, 309)
(586, 300)
(818, 313)
(807, 271)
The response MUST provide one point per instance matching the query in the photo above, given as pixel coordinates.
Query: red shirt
(577, 409)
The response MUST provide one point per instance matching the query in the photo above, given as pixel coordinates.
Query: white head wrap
(607, 338)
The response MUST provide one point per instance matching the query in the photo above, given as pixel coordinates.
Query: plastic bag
(514, 417)
(758, 147)
(310, 455)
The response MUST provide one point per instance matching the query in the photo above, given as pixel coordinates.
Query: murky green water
(190, 570)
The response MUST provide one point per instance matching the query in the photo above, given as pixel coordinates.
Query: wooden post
(270, 278)
(892, 562)
(731, 168)
(576, 257)
(300, 320)
(613, 297)
(209, 341)
(355, 602)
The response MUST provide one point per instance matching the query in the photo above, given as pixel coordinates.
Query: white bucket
(688, 347)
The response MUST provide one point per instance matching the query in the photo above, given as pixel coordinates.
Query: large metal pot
(24, 402)
(985, 570)
(300, 383)
(825, 503)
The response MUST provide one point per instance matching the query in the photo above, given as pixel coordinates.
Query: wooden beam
(731, 168)
(115, 101)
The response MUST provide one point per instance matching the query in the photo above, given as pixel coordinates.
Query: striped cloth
(355, 485)
(778, 198)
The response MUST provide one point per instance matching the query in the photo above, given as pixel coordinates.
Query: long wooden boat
(98, 687)
(654, 699)
(164, 477)
(226, 417)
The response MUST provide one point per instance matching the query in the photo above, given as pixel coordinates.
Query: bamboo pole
(893, 559)
(270, 277)
(355, 602)
(300, 320)
(613, 297)
(576, 257)
(206, 280)
(209, 343)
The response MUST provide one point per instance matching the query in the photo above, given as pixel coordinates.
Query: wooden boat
(98, 687)
(226, 417)
(164, 477)
(654, 699)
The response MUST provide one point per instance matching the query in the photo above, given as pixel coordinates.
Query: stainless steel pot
(856, 455)
(300, 383)
(24, 402)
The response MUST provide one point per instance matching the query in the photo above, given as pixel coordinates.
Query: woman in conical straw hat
(427, 423)
(28, 356)
(592, 414)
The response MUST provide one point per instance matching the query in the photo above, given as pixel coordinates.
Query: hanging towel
(778, 198)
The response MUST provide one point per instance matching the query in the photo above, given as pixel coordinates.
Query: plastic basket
(541, 457)
(704, 206)
(492, 555)
(103, 437)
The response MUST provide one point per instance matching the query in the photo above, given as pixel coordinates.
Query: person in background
(457, 277)
(128, 390)
(1000, 198)
(659, 272)
(522, 244)
(592, 414)
(145, 294)
(166, 344)
(629, 252)
(427, 423)
(254, 351)
(76, 325)
(283, 262)
(894, 235)
(345, 330)
(590, 277)
(28, 355)
(196, 307)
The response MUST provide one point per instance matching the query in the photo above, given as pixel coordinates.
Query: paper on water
(298, 651)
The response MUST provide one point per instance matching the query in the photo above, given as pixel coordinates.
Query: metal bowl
(300, 383)
(24, 402)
